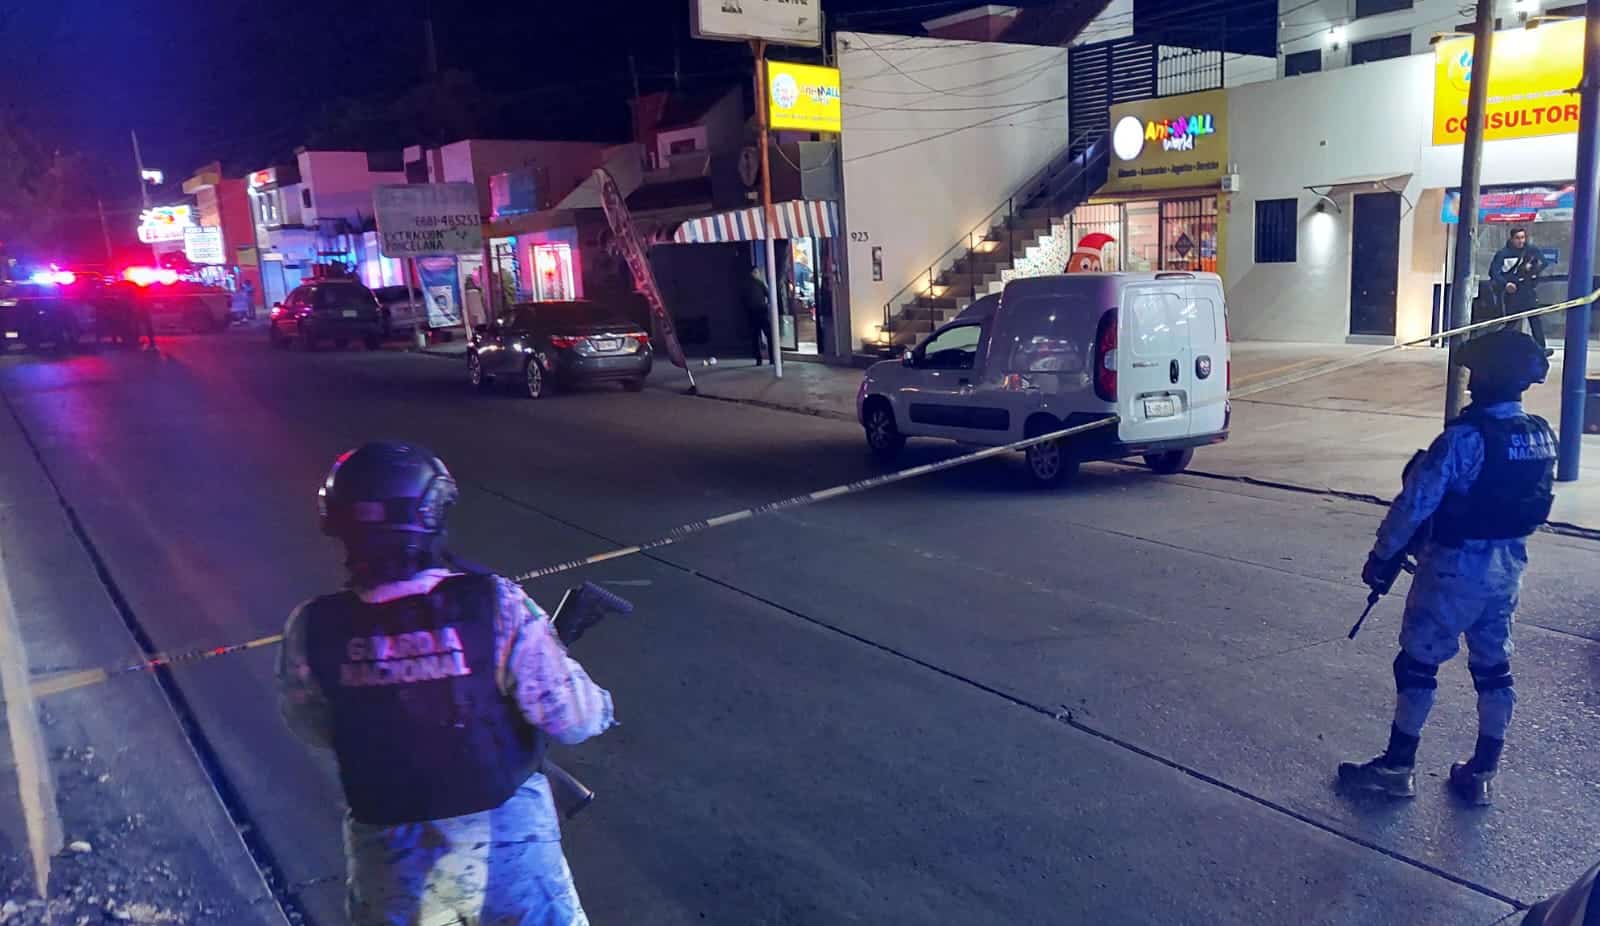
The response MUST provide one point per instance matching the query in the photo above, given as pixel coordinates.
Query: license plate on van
(1160, 408)
(350, 313)
(14, 334)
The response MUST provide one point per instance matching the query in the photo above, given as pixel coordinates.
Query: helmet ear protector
(424, 514)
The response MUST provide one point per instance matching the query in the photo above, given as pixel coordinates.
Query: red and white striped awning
(797, 218)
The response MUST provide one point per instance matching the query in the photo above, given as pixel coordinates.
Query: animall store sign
(1168, 143)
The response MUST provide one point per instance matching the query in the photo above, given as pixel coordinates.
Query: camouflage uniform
(500, 867)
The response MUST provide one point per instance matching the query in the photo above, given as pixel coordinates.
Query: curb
(1559, 528)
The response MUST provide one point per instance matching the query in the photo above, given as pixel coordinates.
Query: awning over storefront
(797, 218)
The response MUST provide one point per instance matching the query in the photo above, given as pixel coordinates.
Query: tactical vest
(420, 727)
(1514, 491)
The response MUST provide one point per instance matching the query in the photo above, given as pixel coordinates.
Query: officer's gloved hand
(1379, 574)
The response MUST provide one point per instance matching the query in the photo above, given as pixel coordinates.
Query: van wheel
(883, 435)
(1050, 464)
(1169, 463)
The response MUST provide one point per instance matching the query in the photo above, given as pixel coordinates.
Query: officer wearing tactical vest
(436, 689)
(1472, 500)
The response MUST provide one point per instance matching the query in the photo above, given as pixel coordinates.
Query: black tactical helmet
(1504, 363)
(386, 486)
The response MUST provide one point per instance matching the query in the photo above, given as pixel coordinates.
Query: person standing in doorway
(757, 310)
(826, 282)
(1515, 271)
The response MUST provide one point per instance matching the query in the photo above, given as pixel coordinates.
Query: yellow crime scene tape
(68, 681)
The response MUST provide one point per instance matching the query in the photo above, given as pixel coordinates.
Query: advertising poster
(1169, 143)
(441, 290)
(644, 279)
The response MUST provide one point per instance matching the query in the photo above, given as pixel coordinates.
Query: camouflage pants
(1466, 592)
(501, 867)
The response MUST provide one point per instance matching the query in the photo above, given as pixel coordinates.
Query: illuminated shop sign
(1169, 143)
(164, 223)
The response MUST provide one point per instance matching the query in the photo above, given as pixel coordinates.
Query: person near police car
(1468, 506)
(436, 689)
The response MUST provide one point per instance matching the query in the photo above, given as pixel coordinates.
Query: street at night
(954, 699)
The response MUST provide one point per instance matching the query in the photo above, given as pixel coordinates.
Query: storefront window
(1189, 234)
(1097, 229)
(552, 264)
(508, 272)
(1144, 236)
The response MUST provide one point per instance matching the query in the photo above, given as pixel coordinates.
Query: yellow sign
(1168, 143)
(1530, 74)
(803, 97)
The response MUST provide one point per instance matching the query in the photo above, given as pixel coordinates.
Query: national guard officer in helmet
(1472, 500)
(436, 690)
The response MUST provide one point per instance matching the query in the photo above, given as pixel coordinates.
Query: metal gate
(1189, 234)
(1102, 75)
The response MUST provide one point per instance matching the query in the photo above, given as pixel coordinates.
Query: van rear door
(1208, 341)
(1155, 366)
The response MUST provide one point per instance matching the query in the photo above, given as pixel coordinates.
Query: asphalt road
(952, 700)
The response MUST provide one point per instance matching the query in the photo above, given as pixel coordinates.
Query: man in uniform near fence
(436, 689)
(1481, 489)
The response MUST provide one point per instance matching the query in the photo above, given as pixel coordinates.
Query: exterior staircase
(987, 256)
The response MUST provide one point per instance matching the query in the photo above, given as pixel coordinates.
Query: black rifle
(580, 609)
(1405, 562)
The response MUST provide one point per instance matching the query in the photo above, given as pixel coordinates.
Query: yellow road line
(35, 785)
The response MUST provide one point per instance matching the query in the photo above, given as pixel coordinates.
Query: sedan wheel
(533, 378)
(475, 372)
(1049, 463)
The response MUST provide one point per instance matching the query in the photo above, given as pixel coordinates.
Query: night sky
(242, 82)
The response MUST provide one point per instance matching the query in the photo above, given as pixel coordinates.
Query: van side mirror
(908, 357)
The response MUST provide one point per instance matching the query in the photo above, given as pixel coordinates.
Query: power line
(953, 109)
(930, 87)
(1027, 73)
(949, 132)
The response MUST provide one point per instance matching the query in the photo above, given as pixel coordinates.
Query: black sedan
(338, 309)
(539, 345)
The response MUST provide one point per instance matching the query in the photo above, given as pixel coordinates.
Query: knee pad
(1492, 678)
(1411, 675)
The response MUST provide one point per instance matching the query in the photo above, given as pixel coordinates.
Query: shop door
(1374, 263)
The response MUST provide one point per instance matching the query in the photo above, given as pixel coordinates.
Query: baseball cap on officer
(384, 487)
(1503, 364)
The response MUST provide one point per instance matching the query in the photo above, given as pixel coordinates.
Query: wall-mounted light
(1335, 37)
(1438, 37)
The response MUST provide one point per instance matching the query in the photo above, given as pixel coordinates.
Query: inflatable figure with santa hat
(1086, 257)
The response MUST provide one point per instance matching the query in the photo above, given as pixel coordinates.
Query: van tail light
(1227, 336)
(1105, 357)
(564, 342)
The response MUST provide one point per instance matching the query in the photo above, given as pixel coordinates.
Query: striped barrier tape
(67, 681)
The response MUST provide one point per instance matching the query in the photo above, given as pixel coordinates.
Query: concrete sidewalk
(1348, 432)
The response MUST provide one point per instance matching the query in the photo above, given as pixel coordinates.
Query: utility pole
(1580, 276)
(138, 160)
(433, 51)
(759, 46)
(1467, 224)
(105, 230)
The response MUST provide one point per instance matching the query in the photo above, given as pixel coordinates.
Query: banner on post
(441, 290)
(782, 22)
(427, 219)
(644, 279)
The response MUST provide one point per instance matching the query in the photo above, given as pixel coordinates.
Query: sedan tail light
(564, 342)
(1105, 357)
(643, 340)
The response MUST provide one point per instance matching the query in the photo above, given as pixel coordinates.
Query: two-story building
(316, 212)
(226, 252)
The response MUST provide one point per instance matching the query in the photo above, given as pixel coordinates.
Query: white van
(1057, 351)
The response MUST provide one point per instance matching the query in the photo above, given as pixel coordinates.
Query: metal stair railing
(1076, 169)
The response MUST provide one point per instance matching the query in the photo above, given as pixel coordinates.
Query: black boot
(1473, 780)
(1390, 774)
